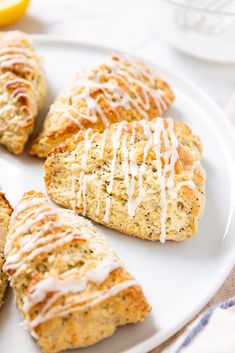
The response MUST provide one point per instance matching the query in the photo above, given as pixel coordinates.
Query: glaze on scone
(70, 287)
(141, 178)
(119, 89)
(22, 89)
(5, 214)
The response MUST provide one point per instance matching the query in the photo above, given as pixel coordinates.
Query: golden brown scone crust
(84, 184)
(72, 249)
(22, 89)
(5, 214)
(119, 89)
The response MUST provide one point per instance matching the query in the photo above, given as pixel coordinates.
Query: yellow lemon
(12, 10)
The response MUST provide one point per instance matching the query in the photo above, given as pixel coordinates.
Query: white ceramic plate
(177, 278)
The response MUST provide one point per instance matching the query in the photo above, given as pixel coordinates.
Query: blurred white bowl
(201, 28)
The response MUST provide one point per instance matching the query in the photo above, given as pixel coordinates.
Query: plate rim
(226, 127)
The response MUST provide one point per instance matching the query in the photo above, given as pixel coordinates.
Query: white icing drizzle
(9, 61)
(16, 262)
(116, 143)
(28, 223)
(130, 166)
(119, 72)
(102, 146)
(52, 287)
(88, 141)
(99, 185)
(24, 205)
(19, 208)
(4, 110)
(133, 170)
(75, 303)
(15, 50)
(73, 183)
(168, 152)
(158, 127)
(40, 242)
(17, 80)
(173, 155)
(81, 194)
(164, 142)
(107, 209)
(66, 283)
(197, 165)
(189, 183)
(161, 139)
(16, 60)
(67, 112)
(18, 88)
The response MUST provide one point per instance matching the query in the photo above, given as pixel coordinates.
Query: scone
(5, 214)
(22, 89)
(141, 178)
(119, 89)
(70, 287)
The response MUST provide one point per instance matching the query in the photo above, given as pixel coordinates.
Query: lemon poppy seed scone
(5, 214)
(70, 287)
(22, 89)
(119, 89)
(141, 178)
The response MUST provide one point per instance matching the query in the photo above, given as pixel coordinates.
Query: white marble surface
(130, 25)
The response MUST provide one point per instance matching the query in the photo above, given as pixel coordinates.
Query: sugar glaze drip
(133, 173)
(122, 73)
(17, 60)
(17, 89)
(70, 283)
(89, 136)
(40, 242)
(161, 139)
(14, 53)
(74, 304)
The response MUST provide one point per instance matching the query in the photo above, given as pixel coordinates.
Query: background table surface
(130, 25)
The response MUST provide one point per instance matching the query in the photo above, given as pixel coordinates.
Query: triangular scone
(119, 89)
(5, 214)
(70, 287)
(141, 178)
(22, 89)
